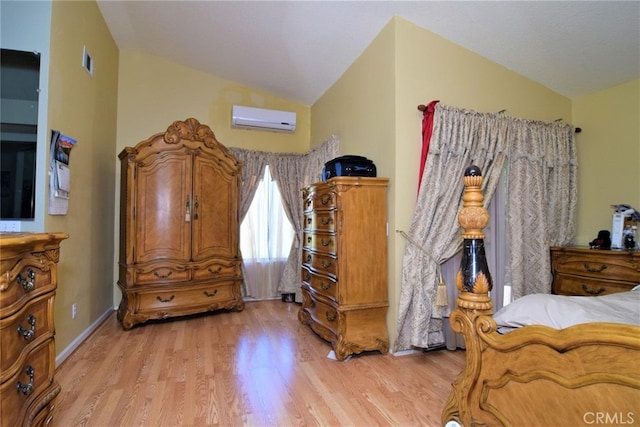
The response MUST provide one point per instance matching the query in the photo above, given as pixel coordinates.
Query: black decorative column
(473, 279)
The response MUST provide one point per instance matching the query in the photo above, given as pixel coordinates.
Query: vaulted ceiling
(298, 49)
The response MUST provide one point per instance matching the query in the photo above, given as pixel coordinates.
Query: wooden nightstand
(593, 272)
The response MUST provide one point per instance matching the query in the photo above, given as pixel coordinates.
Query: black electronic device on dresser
(349, 166)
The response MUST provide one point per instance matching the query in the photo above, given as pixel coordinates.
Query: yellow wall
(154, 92)
(373, 108)
(608, 155)
(84, 108)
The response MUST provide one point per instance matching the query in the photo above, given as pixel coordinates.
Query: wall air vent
(262, 119)
(87, 61)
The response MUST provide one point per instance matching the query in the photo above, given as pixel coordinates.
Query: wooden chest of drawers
(344, 264)
(593, 272)
(27, 348)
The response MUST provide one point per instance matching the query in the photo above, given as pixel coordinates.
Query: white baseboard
(405, 352)
(83, 336)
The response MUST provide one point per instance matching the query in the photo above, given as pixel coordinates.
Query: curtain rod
(423, 107)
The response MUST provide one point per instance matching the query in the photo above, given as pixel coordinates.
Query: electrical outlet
(10, 226)
(74, 310)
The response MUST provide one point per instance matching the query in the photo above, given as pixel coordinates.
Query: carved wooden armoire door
(214, 230)
(179, 226)
(162, 205)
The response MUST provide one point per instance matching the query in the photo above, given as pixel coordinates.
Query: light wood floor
(258, 367)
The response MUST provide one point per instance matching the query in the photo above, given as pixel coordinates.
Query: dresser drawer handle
(325, 200)
(595, 270)
(325, 286)
(166, 299)
(29, 283)
(162, 276)
(211, 294)
(591, 291)
(28, 334)
(309, 221)
(331, 316)
(307, 277)
(216, 271)
(325, 242)
(325, 221)
(326, 264)
(26, 389)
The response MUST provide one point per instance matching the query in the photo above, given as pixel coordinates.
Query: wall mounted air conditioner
(262, 119)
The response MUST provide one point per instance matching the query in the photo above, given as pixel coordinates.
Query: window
(265, 240)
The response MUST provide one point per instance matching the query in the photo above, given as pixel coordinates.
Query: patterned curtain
(293, 172)
(542, 167)
(461, 138)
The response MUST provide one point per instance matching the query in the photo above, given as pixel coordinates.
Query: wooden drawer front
(574, 285)
(21, 331)
(323, 221)
(216, 269)
(25, 279)
(322, 199)
(322, 263)
(177, 298)
(324, 314)
(321, 242)
(14, 402)
(164, 272)
(321, 284)
(599, 267)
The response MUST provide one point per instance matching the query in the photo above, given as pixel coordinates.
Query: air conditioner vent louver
(262, 119)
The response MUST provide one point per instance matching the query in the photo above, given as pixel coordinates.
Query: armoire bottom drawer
(187, 297)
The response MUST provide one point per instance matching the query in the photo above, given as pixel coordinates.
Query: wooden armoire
(179, 226)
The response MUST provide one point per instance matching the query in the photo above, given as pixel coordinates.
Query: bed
(580, 373)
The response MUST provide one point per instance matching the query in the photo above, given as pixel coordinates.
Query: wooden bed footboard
(538, 376)
(587, 374)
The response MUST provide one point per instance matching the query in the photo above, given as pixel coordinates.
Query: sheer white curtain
(290, 173)
(265, 240)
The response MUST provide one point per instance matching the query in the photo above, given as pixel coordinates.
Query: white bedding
(559, 312)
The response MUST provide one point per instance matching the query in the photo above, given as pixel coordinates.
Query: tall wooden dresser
(27, 345)
(179, 226)
(593, 272)
(344, 264)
